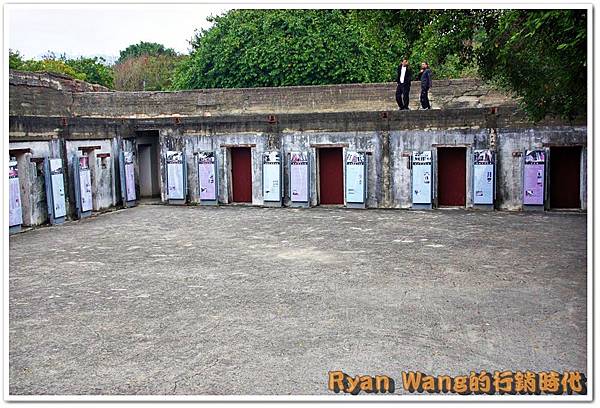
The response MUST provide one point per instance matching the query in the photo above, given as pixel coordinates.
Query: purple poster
(207, 176)
(533, 177)
(15, 215)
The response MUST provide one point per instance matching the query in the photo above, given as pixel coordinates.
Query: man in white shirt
(403, 79)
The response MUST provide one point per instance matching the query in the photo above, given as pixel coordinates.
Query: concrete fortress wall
(55, 117)
(52, 95)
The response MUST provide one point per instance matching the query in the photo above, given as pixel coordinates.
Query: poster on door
(299, 177)
(175, 182)
(129, 176)
(58, 187)
(483, 176)
(85, 183)
(421, 177)
(272, 176)
(207, 176)
(533, 177)
(355, 177)
(15, 212)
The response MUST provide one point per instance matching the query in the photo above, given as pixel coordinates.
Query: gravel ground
(244, 300)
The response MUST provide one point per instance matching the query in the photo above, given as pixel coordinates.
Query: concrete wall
(33, 93)
(102, 170)
(389, 178)
(510, 168)
(311, 141)
(257, 142)
(54, 118)
(31, 177)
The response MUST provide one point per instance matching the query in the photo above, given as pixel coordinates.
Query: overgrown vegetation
(144, 48)
(146, 67)
(94, 70)
(146, 72)
(539, 55)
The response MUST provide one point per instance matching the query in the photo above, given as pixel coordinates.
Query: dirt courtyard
(244, 300)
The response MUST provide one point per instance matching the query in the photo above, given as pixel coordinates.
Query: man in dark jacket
(403, 79)
(425, 77)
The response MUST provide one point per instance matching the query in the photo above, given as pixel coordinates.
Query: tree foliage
(249, 48)
(541, 56)
(446, 39)
(144, 48)
(93, 70)
(145, 72)
(146, 66)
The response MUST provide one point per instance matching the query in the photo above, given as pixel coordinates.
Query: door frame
(547, 147)
(317, 167)
(468, 173)
(151, 138)
(228, 171)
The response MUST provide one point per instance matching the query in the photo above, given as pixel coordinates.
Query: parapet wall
(78, 100)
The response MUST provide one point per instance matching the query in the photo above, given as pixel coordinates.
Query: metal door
(331, 175)
(452, 176)
(241, 174)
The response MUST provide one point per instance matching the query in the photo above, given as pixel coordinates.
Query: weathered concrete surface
(31, 94)
(245, 300)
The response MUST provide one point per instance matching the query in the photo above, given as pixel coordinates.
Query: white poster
(175, 175)
(272, 176)
(483, 176)
(421, 177)
(129, 176)
(15, 213)
(58, 187)
(85, 184)
(207, 176)
(355, 177)
(299, 177)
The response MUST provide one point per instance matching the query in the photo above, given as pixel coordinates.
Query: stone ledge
(32, 127)
(53, 80)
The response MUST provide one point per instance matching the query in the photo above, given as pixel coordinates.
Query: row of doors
(452, 176)
(331, 175)
(564, 176)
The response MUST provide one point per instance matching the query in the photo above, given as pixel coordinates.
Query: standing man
(425, 77)
(403, 90)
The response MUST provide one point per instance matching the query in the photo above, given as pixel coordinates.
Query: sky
(102, 30)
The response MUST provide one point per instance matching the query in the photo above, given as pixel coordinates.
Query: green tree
(15, 60)
(541, 56)
(249, 48)
(95, 69)
(145, 73)
(52, 65)
(144, 48)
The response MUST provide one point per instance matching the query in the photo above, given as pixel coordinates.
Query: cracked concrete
(246, 300)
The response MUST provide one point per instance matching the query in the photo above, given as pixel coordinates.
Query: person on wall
(403, 79)
(425, 78)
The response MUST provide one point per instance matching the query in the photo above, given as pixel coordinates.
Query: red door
(452, 176)
(331, 176)
(241, 174)
(564, 177)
